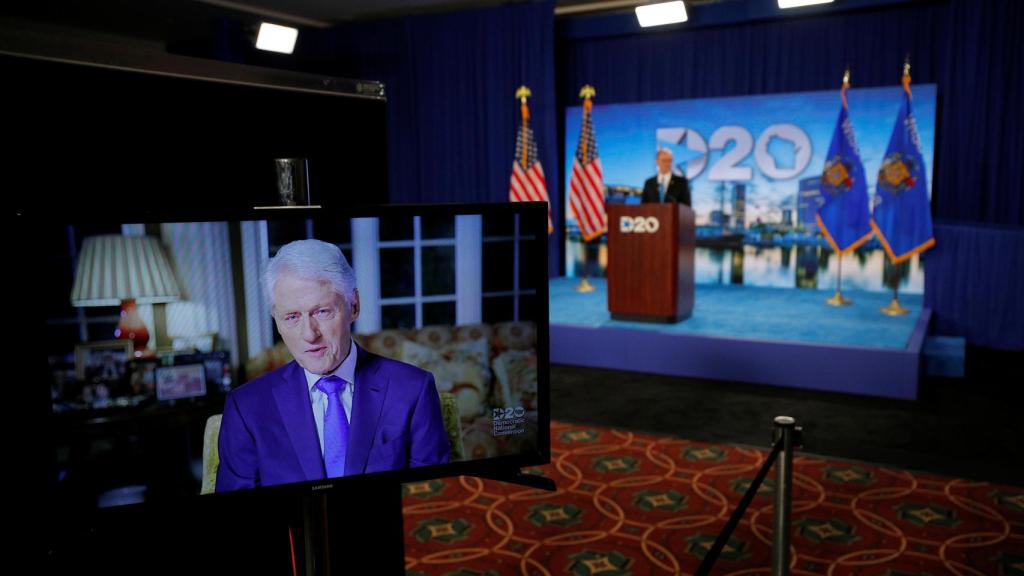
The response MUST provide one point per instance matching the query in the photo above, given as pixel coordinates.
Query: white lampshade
(113, 268)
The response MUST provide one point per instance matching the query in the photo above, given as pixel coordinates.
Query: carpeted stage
(641, 504)
(778, 336)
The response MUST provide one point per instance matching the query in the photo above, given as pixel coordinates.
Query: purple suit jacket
(268, 435)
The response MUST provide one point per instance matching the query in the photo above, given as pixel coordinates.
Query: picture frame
(103, 361)
(142, 378)
(180, 381)
(218, 367)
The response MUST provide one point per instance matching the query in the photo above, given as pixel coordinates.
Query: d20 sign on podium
(650, 262)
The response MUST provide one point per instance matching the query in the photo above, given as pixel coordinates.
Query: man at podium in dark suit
(666, 186)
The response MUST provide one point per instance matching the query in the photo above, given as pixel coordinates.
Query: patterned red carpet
(640, 504)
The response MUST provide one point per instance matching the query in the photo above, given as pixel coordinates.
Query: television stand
(337, 529)
(516, 476)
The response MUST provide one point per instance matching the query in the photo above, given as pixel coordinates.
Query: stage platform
(778, 336)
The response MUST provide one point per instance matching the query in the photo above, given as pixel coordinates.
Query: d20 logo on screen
(638, 224)
(781, 152)
(689, 150)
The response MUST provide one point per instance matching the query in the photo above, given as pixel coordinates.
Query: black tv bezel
(25, 222)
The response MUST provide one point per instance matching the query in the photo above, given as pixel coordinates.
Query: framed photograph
(180, 381)
(217, 364)
(143, 376)
(102, 361)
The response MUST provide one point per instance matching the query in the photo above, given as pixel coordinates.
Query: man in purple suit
(336, 409)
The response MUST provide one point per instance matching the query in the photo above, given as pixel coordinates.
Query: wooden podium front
(650, 261)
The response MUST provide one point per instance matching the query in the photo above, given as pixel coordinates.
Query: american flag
(527, 183)
(586, 186)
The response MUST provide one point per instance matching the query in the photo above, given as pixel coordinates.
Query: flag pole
(838, 299)
(895, 308)
(587, 92)
(523, 93)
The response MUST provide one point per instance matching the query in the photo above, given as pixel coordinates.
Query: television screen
(189, 356)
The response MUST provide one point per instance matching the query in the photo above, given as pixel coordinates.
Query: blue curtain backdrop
(980, 301)
(971, 49)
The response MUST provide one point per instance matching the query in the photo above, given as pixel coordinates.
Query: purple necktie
(335, 426)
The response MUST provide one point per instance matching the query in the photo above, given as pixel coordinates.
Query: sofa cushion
(472, 332)
(461, 368)
(516, 375)
(514, 336)
(386, 343)
(433, 336)
(268, 359)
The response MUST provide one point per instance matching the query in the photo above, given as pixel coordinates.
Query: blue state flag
(843, 217)
(902, 216)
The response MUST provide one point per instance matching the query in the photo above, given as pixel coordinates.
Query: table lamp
(127, 271)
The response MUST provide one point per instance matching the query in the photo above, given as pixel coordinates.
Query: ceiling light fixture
(275, 38)
(661, 14)
(797, 3)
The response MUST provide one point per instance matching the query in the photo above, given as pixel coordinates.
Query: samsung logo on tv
(316, 487)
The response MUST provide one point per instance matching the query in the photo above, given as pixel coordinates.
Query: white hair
(311, 260)
(662, 151)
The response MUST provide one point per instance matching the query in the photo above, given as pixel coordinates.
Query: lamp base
(131, 327)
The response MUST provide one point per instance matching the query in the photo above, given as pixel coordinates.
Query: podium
(650, 262)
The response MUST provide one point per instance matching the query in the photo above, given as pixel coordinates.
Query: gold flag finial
(587, 92)
(846, 86)
(523, 93)
(905, 81)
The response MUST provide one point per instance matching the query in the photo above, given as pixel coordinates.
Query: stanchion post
(786, 430)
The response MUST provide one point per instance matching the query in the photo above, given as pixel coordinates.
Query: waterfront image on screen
(754, 165)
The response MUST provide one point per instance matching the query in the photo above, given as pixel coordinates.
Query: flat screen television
(459, 291)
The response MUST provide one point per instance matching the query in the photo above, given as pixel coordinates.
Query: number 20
(727, 169)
